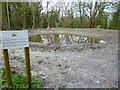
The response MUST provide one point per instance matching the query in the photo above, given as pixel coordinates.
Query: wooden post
(7, 67)
(27, 60)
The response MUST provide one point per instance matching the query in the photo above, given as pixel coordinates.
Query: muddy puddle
(64, 39)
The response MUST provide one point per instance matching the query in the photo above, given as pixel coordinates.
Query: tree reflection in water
(63, 39)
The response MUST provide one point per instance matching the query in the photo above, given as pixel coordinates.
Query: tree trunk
(33, 20)
(8, 17)
(80, 11)
(33, 14)
(24, 21)
(48, 25)
(0, 15)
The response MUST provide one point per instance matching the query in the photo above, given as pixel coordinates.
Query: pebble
(59, 65)
(40, 62)
(79, 56)
(93, 76)
(97, 81)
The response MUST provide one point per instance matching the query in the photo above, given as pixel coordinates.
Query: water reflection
(63, 39)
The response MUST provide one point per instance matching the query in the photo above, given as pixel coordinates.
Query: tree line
(32, 15)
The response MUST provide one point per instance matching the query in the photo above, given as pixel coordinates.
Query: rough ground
(78, 66)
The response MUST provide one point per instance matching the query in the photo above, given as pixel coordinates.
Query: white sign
(13, 39)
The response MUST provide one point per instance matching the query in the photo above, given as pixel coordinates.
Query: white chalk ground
(93, 66)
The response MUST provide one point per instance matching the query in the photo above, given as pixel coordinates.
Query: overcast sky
(79, 0)
(53, 2)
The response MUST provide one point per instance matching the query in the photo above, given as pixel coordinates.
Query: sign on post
(11, 40)
(14, 39)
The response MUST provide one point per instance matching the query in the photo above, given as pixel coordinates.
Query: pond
(64, 39)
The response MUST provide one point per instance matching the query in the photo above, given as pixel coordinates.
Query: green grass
(19, 81)
(62, 87)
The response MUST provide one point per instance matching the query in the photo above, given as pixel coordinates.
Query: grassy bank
(19, 81)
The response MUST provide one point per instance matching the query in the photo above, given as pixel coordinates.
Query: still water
(64, 39)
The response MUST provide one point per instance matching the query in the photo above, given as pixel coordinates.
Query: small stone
(41, 74)
(97, 81)
(66, 66)
(36, 56)
(14, 58)
(40, 62)
(64, 72)
(78, 56)
(48, 44)
(59, 65)
(93, 76)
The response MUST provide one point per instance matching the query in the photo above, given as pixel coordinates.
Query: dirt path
(80, 66)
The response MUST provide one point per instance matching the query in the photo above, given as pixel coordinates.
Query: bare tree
(33, 14)
(8, 17)
(93, 10)
(48, 2)
(80, 11)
